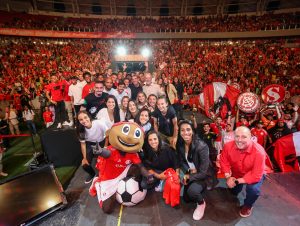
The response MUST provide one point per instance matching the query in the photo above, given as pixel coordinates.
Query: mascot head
(126, 136)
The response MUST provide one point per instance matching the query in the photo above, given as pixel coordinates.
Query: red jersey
(239, 123)
(47, 116)
(260, 134)
(88, 88)
(56, 90)
(112, 167)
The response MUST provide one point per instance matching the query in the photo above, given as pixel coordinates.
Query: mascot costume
(117, 161)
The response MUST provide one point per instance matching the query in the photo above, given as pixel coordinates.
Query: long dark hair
(148, 150)
(181, 143)
(128, 113)
(137, 117)
(116, 109)
(80, 129)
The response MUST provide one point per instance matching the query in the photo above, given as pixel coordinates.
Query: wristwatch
(236, 182)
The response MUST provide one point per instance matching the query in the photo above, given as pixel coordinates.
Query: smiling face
(126, 137)
(186, 132)
(152, 101)
(141, 98)
(110, 104)
(144, 117)
(162, 105)
(153, 141)
(132, 107)
(85, 120)
(124, 102)
(242, 137)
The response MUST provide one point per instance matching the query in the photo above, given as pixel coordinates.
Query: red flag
(212, 92)
(286, 150)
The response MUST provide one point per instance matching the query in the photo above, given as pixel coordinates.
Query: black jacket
(199, 154)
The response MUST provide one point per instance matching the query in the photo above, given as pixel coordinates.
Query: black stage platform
(279, 205)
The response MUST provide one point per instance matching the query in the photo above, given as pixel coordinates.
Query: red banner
(65, 34)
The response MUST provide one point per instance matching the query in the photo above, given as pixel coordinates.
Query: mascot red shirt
(115, 165)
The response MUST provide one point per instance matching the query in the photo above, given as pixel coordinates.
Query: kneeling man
(243, 163)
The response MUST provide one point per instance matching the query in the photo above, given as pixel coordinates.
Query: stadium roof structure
(148, 7)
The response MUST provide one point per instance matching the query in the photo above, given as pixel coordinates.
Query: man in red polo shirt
(243, 163)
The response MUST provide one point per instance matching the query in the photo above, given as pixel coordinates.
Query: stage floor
(278, 205)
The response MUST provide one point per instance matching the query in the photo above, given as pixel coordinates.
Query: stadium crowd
(234, 23)
(72, 81)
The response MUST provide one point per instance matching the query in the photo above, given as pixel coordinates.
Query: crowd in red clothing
(136, 24)
(28, 63)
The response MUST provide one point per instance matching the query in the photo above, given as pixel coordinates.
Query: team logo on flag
(248, 102)
(273, 94)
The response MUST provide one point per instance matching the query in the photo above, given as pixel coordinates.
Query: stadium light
(121, 51)
(146, 52)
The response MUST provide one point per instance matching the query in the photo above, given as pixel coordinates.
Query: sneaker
(59, 126)
(159, 187)
(3, 174)
(245, 211)
(88, 179)
(199, 211)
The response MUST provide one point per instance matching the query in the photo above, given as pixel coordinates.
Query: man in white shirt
(120, 92)
(150, 88)
(75, 92)
(109, 87)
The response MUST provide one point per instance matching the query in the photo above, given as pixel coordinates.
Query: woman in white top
(124, 108)
(90, 133)
(110, 114)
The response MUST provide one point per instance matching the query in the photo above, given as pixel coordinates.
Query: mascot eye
(126, 129)
(137, 133)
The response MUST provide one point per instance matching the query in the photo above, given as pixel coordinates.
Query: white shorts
(105, 189)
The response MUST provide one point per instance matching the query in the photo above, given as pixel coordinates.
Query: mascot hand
(150, 179)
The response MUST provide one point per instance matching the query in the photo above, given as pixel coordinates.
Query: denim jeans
(252, 191)
(31, 126)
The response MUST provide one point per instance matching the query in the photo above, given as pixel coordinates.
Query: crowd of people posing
(199, 149)
(199, 146)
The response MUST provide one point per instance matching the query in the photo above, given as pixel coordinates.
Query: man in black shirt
(135, 87)
(95, 101)
(165, 121)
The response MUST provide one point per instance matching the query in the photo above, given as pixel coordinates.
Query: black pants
(90, 156)
(193, 192)
(60, 112)
(178, 109)
(77, 109)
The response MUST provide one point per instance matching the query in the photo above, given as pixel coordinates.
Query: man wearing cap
(243, 163)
